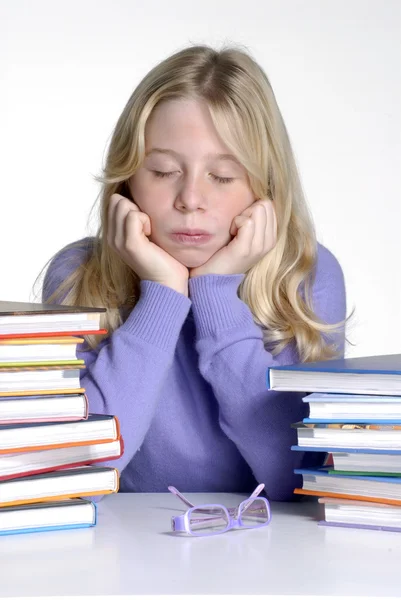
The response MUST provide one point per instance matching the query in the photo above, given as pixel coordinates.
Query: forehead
(184, 126)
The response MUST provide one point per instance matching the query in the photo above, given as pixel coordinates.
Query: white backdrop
(67, 69)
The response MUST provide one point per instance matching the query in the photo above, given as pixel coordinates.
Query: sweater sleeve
(232, 358)
(124, 375)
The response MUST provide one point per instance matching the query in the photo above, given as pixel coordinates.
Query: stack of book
(48, 441)
(355, 418)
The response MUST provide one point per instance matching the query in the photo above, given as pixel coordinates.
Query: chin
(192, 259)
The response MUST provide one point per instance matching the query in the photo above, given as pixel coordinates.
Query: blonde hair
(278, 289)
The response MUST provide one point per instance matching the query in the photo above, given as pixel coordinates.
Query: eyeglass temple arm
(251, 498)
(254, 494)
(174, 491)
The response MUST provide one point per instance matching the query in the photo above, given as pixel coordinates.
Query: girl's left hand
(255, 234)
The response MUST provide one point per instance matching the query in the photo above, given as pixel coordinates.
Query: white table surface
(132, 551)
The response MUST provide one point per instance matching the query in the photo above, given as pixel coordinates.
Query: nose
(189, 196)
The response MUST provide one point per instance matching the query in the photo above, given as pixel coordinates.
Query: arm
(124, 375)
(232, 358)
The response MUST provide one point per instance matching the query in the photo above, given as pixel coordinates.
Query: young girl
(207, 263)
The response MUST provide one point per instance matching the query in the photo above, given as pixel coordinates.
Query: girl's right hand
(128, 233)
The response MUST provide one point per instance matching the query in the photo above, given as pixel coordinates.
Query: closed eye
(162, 174)
(222, 179)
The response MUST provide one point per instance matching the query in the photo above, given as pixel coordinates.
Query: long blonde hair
(245, 113)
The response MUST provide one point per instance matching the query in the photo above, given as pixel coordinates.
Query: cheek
(232, 207)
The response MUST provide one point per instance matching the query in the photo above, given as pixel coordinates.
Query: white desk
(131, 551)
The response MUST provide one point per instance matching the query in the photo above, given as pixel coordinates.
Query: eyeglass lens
(208, 520)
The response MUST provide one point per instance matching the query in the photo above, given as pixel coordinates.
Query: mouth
(191, 237)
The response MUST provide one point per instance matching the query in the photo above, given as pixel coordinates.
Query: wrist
(178, 286)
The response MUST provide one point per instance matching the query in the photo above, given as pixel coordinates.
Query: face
(190, 193)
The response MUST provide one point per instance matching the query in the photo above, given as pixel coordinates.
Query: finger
(136, 226)
(122, 209)
(237, 223)
(259, 216)
(243, 239)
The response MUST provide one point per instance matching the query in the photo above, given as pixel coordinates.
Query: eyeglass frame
(180, 524)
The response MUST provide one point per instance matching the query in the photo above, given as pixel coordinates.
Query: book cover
(25, 437)
(375, 426)
(47, 516)
(40, 341)
(352, 487)
(24, 464)
(371, 375)
(10, 308)
(356, 423)
(331, 449)
(326, 397)
(59, 485)
(36, 409)
(361, 473)
(39, 392)
(34, 365)
(51, 334)
(389, 364)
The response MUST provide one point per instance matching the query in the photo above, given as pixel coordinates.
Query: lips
(191, 232)
(191, 237)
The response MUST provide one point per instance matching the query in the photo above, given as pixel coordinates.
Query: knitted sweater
(186, 377)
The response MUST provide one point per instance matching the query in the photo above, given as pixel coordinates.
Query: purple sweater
(187, 379)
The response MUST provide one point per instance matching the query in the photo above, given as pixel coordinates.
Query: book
(373, 375)
(365, 462)
(22, 464)
(56, 350)
(59, 485)
(317, 482)
(32, 409)
(24, 437)
(49, 334)
(347, 435)
(352, 408)
(47, 516)
(367, 473)
(362, 515)
(30, 317)
(37, 379)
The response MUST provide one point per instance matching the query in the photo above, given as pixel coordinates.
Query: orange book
(33, 379)
(26, 437)
(42, 392)
(59, 485)
(348, 496)
(19, 352)
(50, 334)
(18, 318)
(35, 341)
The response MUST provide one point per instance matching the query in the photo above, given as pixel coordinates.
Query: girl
(207, 263)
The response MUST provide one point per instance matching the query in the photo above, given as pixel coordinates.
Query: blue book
(47, 516)
(373, 375)
(352, 408)
(364, 399)
(318, 482)
(313, 474)
(331, 450)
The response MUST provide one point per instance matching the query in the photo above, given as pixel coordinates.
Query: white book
(59, 485)
(47, 516)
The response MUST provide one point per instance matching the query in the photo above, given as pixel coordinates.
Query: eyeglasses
(211, 519)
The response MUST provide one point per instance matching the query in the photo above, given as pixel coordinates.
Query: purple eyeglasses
(211, 519)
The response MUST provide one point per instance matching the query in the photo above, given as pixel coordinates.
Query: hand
(128, 233)
(255, 234)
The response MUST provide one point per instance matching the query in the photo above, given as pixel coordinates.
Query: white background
(68, 67)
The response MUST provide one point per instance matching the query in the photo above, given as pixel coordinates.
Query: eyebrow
(207, 156)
